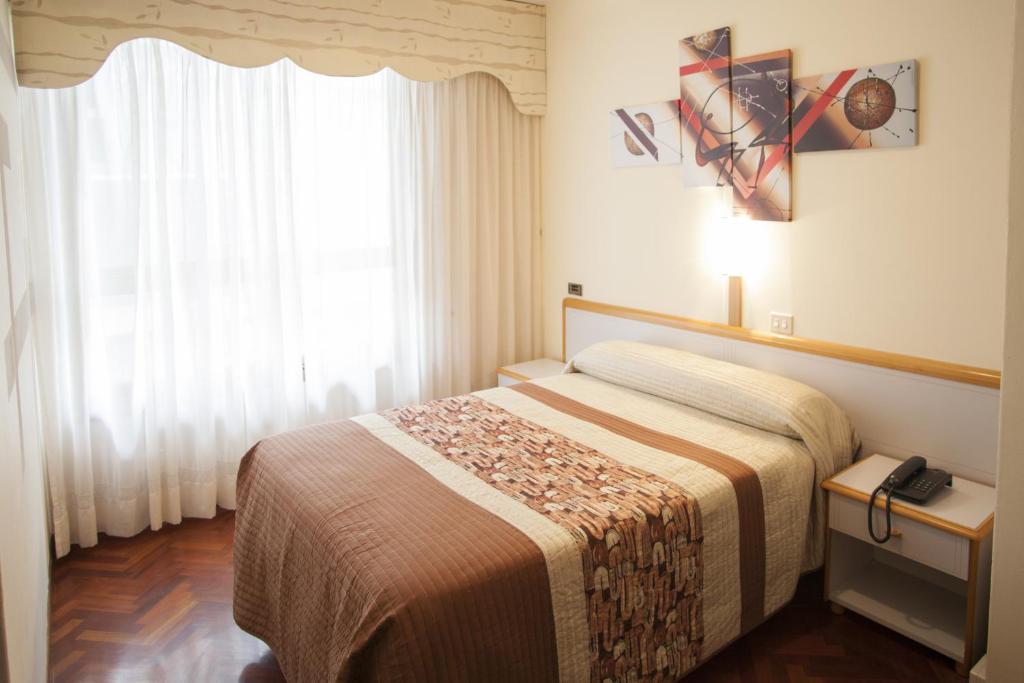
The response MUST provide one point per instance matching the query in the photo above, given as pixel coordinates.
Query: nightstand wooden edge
(972, 597)
(983, 530)
(828, 554)
(512, 374)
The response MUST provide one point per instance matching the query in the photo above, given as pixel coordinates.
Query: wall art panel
(705, 107)
(761, 172)
(645, 135)
(874, 106)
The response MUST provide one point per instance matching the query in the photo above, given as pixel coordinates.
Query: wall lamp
(735, 300)
(730, 255)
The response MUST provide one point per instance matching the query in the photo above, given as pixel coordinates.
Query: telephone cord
(888, 514)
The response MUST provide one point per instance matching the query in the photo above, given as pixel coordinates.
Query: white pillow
(755, 398)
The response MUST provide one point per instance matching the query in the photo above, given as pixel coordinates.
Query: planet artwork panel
(873, 106)
(705, 62)
(761, 153)
(645, 135)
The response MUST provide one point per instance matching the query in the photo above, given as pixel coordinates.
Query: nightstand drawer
(913, 540)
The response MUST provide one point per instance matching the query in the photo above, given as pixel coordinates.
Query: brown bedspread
(514, 535)
(353, 563)
(382, 572)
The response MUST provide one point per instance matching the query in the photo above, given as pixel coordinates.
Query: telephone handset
(911, 481)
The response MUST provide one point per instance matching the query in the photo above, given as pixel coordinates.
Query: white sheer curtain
(220, 254)
(471, 162)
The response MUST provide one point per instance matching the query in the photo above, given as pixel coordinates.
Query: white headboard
(900, 405)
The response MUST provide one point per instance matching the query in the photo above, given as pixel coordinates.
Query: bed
(622, 521)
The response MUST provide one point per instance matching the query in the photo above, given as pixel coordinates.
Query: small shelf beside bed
(930, 582)
(901, 599)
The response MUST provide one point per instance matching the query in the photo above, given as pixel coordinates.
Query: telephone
(911, 481)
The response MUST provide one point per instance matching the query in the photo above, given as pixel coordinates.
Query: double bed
(622, 521)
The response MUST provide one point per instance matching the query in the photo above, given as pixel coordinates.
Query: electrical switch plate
(781, 323)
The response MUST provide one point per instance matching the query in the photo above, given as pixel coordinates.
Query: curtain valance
(59, 43)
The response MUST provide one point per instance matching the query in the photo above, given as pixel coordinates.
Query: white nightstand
(930, 582)
(531, 369)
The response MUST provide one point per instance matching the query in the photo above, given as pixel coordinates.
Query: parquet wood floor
(157, 607)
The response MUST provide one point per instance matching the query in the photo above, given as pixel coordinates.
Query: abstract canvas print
(761, 154)
(645, 135)
(705, 108)
(874, 106)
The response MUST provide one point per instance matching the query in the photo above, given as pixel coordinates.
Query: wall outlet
(781, 323)
(576, 289)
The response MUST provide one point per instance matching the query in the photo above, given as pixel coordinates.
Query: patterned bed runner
(639, 535)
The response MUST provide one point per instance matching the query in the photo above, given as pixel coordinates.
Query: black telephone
(911, 481)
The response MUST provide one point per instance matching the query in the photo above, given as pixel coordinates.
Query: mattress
(622, 521)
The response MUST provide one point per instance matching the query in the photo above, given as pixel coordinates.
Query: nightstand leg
(836, 609)
(962, 669)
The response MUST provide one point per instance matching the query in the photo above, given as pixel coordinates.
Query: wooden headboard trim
(894, 361)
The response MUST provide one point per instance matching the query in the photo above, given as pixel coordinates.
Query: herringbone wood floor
(157, 607)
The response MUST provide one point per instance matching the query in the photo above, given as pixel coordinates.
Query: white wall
(1005, 659)
(24, 563)
(898, 249)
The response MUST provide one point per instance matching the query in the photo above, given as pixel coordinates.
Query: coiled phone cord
(888, 513)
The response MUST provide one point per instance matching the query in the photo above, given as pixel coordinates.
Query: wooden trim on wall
(893, 361)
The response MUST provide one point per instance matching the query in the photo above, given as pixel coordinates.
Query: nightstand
(531, 369)
(930, 582)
